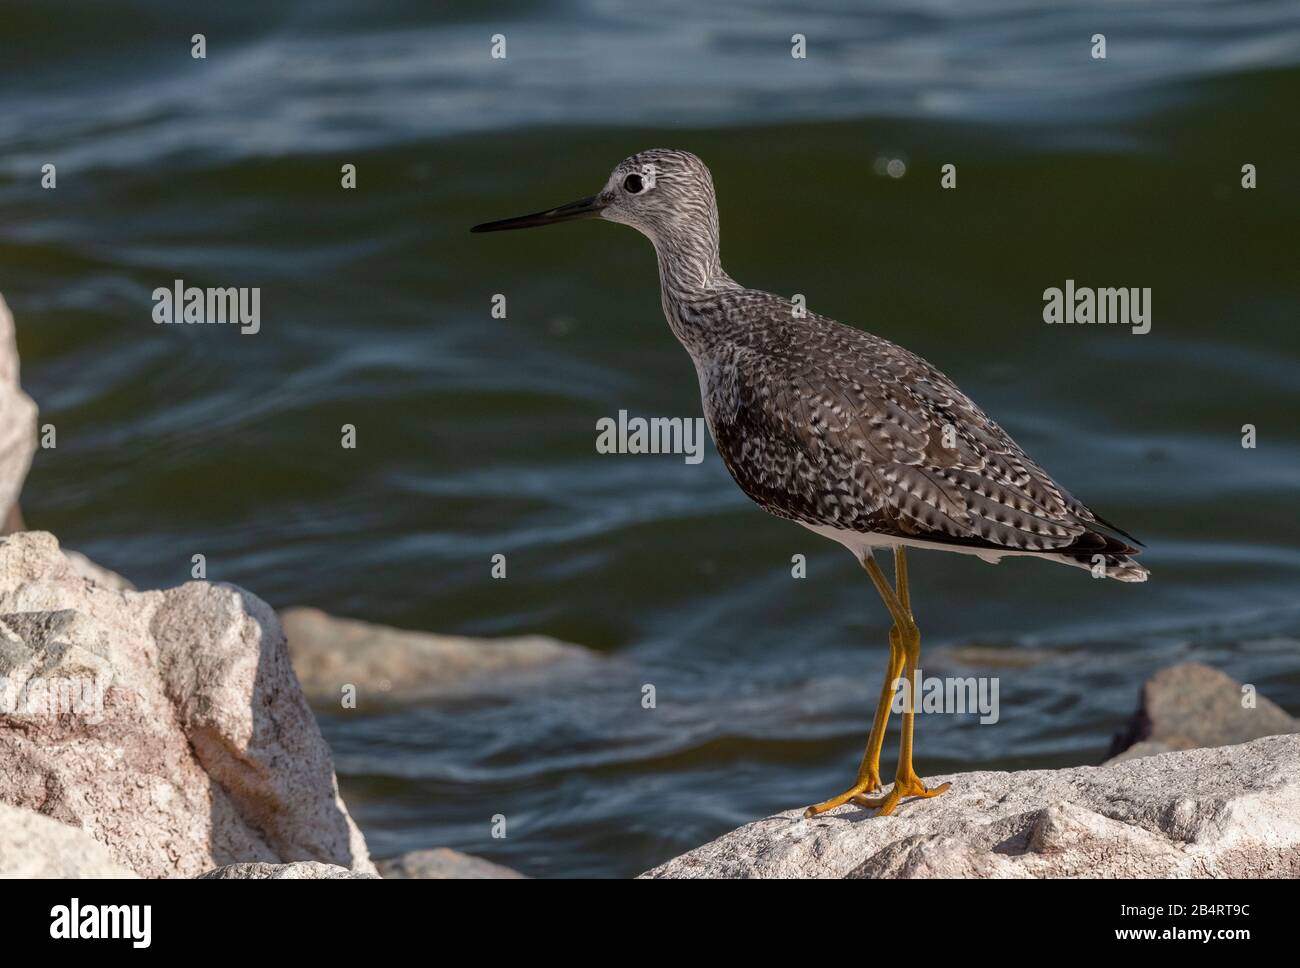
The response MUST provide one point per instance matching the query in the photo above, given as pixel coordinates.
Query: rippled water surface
(476, 435)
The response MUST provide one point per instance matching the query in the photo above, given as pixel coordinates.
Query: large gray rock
(395, 664)
(442, 864)
(305, 870)
(17, 425)
(166, 724)
(33, 845)
(1230, 811)
(1190, 705)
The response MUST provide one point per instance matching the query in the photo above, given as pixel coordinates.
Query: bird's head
(661, 192)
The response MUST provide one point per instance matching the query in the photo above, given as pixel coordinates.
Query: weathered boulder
(166, 724)
(303, 870)
(1231, 811)
(17, 425)
(396, 665)
(33, 845)
(1190, 705)
(443, 863)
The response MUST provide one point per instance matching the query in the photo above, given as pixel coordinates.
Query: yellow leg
(868, 780)
(869, 771)
(904, 653)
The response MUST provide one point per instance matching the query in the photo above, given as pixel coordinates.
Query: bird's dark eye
(633, 184)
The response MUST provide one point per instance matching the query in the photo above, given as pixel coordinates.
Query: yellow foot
(906, 787)
(868, 784)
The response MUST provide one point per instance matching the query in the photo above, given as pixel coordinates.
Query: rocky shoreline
(1199, 784)
(166, 733)
(169, 734)
(1228, 811)
(163, 734)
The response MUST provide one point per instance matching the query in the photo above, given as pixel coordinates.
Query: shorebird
(848, 434)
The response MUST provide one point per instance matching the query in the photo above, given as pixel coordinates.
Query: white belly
(861, 545)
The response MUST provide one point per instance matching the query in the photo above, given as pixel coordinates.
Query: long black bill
(583, 208)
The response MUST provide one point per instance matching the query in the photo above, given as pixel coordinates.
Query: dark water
(476, 435)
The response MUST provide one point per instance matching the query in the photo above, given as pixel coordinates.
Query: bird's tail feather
(1119, 567)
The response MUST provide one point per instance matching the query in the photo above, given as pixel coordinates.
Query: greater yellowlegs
(848, 434)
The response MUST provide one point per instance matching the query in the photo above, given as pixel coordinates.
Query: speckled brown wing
(828, 425)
